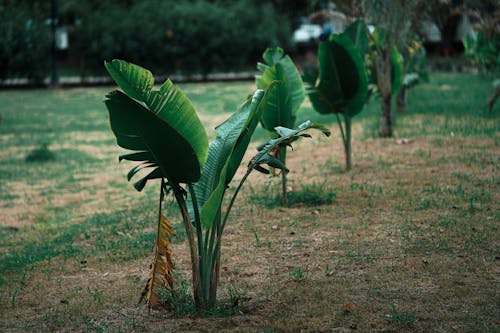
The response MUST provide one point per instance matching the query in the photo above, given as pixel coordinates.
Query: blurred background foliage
(184, 36)
(195, 36)
(25, 41)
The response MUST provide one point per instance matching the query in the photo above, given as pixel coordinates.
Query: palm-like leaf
(342, 83)
(225, 155)
(291, 94)
(160, 126)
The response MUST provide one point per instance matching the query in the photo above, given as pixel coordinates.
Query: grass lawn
(408, 241)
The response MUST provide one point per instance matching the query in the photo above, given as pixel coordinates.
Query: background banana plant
(167, 137)
(414, 62)
(397, 64)
(289, 95)
(341, 87)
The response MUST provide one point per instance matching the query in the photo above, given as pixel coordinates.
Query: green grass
(410, 224)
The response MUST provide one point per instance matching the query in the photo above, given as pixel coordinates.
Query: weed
(236, 296)
(180, 302)
(41, 154)
(315, 194)
(257, 240)
(13, 296)
(402, 318)
(94, 325)
(297, 274)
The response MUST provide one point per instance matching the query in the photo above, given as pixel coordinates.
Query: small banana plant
(341, 87)
(166, 137)
(290, 92)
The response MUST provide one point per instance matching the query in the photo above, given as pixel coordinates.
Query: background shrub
(183, 36)
(25, 41)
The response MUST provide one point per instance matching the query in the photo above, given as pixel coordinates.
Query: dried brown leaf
(160, 274)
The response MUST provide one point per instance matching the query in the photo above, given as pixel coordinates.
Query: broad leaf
(135, 81)
(161, 126)
(225, 155)
(286, 98)
(397, 71)
(356, 31)
(342, 83)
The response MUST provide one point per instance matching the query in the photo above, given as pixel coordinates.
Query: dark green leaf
(397, 71)
(160, 125)
(357, 33)
(225, 155)
(286, 98)
(342, 85)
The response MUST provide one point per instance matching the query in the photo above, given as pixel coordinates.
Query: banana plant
(413, 70)
(166, 137)
(483, 50)
(341, 87)
(290, 95)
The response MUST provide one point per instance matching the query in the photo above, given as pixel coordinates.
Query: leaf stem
(199, 233)
(177, 190)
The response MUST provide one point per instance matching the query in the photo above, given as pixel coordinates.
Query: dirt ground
(409, 243)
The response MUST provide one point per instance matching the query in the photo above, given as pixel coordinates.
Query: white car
(306, 33)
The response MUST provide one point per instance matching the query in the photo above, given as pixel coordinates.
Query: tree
(483, 50)
(395, 20)
(414, 60)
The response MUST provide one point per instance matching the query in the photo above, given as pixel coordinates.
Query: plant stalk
(347, 143)
(199, 235)
(192, 247)
(282, 158)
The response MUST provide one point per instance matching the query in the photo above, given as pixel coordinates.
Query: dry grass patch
(408, 245)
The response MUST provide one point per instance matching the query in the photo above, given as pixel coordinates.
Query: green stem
(215, 258)
(231, 203)
(199, 234)
(211, 260)
(282, 158)
(346, 139)
(347, 143)
(190, 236)
(341, 128)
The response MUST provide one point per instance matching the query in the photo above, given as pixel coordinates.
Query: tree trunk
(401, 100)
(384, 81)
(493, 99)
(386, 117)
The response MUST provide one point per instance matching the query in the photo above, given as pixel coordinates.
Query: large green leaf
(291, 94)
(137, 82)
(161, 126)
(396, 71)
(356, 31)
(225, 155)
(342, 84)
